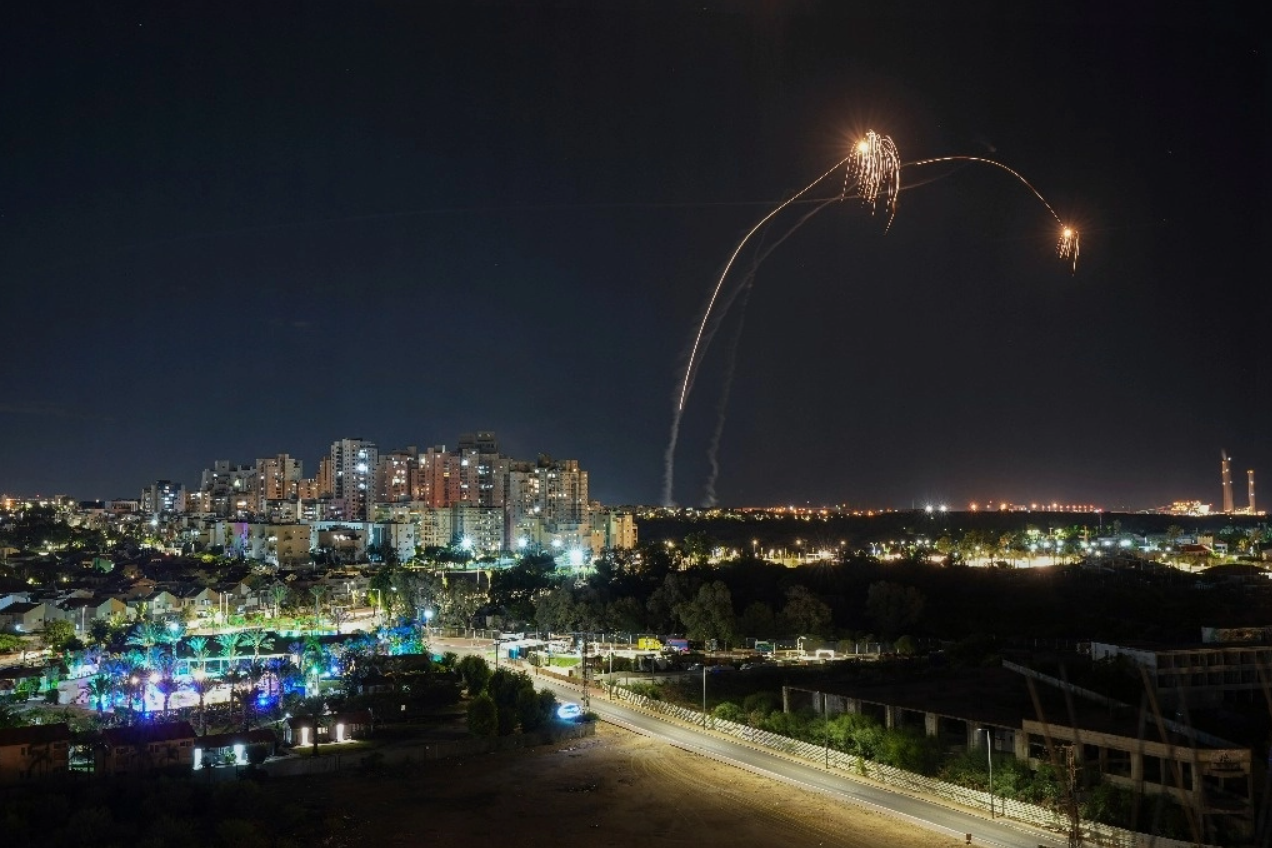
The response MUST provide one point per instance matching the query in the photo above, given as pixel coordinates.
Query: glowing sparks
(872, 172)
(876, 167)
(1067, 248)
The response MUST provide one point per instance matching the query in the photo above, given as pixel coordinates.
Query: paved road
(924, 813)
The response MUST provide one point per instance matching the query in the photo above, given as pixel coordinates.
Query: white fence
(1046, 818)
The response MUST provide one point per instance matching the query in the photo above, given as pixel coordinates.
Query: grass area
(564, 662)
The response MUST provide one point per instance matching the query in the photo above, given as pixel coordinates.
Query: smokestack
(1250, 485)
(1227, 482)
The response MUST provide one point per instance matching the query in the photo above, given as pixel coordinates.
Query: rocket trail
(1068, 246)
(692, 363)
(873, 171)
(722, 406)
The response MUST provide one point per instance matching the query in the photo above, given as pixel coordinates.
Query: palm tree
(319, 591)
(145, 635)
(201, 685)
(165, 680)
(258, 640)
(316, 707)
(171, 633)
(198, 646)
(237, 679)
(229, 644)
(100, 687)
(278, 593)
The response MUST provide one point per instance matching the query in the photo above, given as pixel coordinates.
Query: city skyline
(232, 240)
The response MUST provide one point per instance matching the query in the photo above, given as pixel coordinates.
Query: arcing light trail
(872, 171)
(744, 289)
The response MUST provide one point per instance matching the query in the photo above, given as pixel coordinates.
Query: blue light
(569, 711)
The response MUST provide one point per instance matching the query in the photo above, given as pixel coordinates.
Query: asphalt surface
(918, 811)
(923, 813)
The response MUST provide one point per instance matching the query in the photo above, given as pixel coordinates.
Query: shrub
(483, 716)
(729, 711)
(765, 702)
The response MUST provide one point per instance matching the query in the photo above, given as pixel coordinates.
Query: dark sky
(231, 230)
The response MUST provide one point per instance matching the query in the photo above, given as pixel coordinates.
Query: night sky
(232, 230)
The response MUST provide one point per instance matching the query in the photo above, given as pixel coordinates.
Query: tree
(556, 611)
(460, 602)
(164, 678)
(258, 640)
(676, 589)
(99, 631)
(201, 685)
(757, 621)
(474, 672)
(199, 650)
(278, 593)
(229, 644)
(57, 634)
(483, 717)
(709, 615)
(319, 591)
(892, 606)
(145, 635)
(316, 708)
(100, 688)
(513, 589)
(805, 613)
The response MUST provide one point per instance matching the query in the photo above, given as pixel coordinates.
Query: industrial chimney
(1227, 482)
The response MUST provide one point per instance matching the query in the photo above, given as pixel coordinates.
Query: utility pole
(1075, 818)
(704, 695)
(583, 663)
(989, 750)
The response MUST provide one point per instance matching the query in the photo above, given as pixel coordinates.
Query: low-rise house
(130, 750)
(33, 752)
(332, 727)
(205, 601)
(22, 682)
(234, 749)
(24, 617)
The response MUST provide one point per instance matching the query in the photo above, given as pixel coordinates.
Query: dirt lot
(614, 789)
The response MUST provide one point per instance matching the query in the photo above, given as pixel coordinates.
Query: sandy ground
(615, 789)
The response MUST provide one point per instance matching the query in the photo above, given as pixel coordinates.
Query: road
(924, 813)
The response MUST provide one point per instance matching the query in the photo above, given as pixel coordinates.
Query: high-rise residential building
(547, 498)
(277, 479)
(353, 462)
(163, 498)
(483, 471)
(611, 529)
(325, 479)
(437, 477)
(395, 475)
(226, 489)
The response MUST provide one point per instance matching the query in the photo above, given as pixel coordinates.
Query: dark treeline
(662, 588)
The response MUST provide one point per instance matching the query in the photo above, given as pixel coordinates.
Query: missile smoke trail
(691, 366)
(873, 170)
(722, 405)
(1067, 248)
